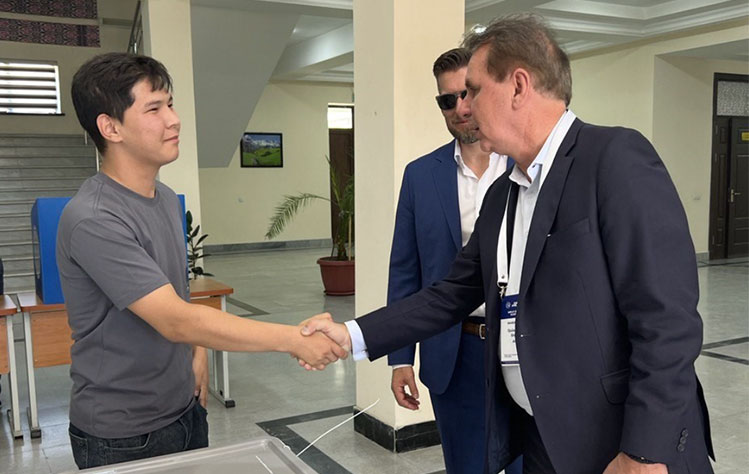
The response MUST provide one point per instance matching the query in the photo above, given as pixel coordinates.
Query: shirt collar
(546, 153)
(493, 157)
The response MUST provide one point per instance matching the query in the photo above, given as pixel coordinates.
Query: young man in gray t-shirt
(138, 363)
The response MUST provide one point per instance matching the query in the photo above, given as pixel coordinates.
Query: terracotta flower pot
(337, 276)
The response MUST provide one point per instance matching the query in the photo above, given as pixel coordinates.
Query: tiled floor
(272, 390)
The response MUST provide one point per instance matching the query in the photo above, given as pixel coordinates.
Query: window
(340, 116)
(29, 88)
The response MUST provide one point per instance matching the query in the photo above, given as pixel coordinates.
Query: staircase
(33, 166)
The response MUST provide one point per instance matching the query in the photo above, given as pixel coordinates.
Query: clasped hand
(322, 327)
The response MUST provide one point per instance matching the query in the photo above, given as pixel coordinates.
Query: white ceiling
(580, 25)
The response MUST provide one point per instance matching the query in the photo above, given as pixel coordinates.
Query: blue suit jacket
(607, 311)
(425, 242)
(426, 239)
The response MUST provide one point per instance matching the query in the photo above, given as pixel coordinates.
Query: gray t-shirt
(115, 246)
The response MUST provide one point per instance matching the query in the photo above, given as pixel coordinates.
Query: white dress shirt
(520, 235)
(471, 192)
(527, 197)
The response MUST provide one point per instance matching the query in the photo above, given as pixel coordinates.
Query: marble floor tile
(286, 285)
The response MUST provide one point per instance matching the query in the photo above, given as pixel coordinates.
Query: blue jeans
(190, 431)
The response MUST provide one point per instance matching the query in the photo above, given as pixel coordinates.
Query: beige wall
(69, 59)
(238, 202)
(682, 123)
(667, 98)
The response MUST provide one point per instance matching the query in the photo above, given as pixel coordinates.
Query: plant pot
(337, 276)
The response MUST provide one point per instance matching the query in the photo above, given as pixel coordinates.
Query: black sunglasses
(449, 101)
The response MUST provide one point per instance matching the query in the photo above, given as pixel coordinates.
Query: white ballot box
(259, 456)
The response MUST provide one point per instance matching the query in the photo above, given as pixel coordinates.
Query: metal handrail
(136, 32)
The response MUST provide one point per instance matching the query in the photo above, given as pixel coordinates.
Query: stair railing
(136, 32)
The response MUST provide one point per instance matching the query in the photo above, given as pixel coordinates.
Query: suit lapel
(547, 205)
(446, 183)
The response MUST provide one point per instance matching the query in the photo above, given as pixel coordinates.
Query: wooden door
(342, 158)
(737, 224)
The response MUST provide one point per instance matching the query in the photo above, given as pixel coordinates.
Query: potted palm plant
(337, 270)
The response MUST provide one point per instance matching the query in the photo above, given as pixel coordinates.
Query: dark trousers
(535, 458)
(459, 412)
(190, 431)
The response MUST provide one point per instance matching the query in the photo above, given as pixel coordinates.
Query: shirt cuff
(400, 366)
(358, 347)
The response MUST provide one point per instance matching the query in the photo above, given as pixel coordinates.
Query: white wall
(69, 59)
(668, 99)
(237, 202)
(682, 123)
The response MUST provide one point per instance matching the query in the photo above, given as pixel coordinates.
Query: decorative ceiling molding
(342, 4)
(595, 9)
(698, 19)
(583, 25)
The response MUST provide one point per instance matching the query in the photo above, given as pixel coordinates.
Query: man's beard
(464, 138)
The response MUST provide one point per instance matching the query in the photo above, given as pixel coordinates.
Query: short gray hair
(524, 40)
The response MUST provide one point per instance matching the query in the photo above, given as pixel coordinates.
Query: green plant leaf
(287, 209)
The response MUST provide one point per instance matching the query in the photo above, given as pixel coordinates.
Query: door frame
(719, 173)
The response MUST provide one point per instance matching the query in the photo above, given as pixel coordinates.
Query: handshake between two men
(318, 356)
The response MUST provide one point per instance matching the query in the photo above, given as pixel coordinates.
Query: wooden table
(8, 364)
(212, 293)
(48, 339)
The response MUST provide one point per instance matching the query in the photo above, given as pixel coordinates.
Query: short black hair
(451, 61)
(104, 85)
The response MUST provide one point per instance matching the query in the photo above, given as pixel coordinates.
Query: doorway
(341, 143)
(729, 180)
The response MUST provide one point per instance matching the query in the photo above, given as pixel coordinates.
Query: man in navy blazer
(439, 201)
(591, 286)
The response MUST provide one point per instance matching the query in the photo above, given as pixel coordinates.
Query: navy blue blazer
(426, 239)
(607, 326)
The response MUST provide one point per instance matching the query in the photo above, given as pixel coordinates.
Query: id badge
(508, 349)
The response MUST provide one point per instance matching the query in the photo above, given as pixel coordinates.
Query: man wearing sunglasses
(439, 202)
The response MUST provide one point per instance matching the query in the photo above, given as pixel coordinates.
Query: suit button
(683, 440)
(685, 432)
(680, 448)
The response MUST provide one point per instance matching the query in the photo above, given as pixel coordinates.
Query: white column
(397, 120)
(167, 37)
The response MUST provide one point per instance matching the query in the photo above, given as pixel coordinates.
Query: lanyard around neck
(506, 231)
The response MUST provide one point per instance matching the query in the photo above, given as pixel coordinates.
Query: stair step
(52, 166)
(8, 184)
(22, 287)
(15, 249)
(23, 194)
(46, 161)
(34, 151)
(15, 234)
(15, 207)
(18, 283)
(43, 140)
(15, 220)
(22, 264)
(47, 172)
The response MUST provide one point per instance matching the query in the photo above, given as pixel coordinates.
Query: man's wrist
(400, 366)
(639, 459)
